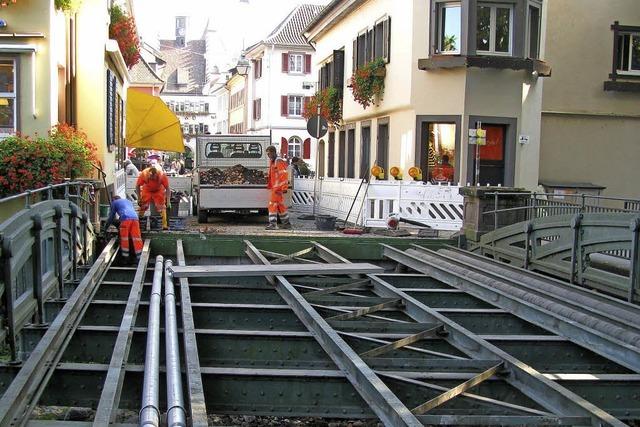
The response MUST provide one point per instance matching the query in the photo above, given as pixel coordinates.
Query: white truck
(231, 174)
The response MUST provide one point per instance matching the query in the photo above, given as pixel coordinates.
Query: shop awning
(151, 124)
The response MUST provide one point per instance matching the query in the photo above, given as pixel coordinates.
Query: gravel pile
(235, 175)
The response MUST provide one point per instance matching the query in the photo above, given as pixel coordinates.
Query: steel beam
(23, 393)
(551, 396)
(381, 400)
(560, 319)
(262, 270)
(110, 397)
(197, 403)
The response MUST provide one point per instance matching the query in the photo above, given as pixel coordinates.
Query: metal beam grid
(552, 398)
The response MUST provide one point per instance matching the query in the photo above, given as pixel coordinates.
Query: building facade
(185, 90)
(591, 103)
(44, 82)
(450, 67)
(282, 79)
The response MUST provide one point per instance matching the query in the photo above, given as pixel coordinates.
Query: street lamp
(242, 67)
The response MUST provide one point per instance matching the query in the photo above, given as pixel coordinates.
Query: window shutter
(305, 102)
(307, 64)
(259, 102)
(285, 62)
(284, 146)
(306, 149)
(284, 105)
(354, 56)
(338, 71)
(259, 68)
(369, 43)
(387, 40)
(255, 109)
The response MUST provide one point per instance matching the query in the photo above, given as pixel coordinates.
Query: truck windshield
(233, 151)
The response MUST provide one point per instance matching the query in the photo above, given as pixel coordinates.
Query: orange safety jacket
(278, 178)
(151, 184)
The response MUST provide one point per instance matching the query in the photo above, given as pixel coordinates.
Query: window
(295, 63)
(365, 148)
(295, 105)
(441, 152)
(449, 27)
(533, 31)
(294, 147)
(382, 149)
(493, 33)
(7, 97)
(257, 109)
(351, 153)
(628, 52)
(331, 74)
(257, 68)
(372, 44)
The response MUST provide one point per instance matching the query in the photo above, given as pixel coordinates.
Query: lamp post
(242, 67)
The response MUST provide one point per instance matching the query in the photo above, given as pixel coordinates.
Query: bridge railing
(369, 205)
(41, 246)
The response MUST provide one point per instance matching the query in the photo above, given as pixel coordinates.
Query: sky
(240, 22)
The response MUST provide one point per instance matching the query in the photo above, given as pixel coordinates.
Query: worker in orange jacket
(153, 185)
(278, 183)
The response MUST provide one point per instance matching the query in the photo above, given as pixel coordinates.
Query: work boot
(271, 226)
(285, 225)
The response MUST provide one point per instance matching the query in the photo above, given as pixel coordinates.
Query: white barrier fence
(438, 206)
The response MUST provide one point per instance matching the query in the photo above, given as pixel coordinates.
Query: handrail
(48, 188)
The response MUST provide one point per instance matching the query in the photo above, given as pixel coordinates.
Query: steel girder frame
(553, 397)
(110, 397)
(378, 396)
(24, 391)
(197, 403)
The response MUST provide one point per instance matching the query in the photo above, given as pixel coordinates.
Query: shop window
(449, 18)
(7, 97)
(494, 29)
(441, 152)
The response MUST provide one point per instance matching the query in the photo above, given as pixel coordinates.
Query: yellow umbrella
(151, 124)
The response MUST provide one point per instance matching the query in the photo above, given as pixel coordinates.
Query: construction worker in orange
(129, 227)
(278, 183)
(153, 186)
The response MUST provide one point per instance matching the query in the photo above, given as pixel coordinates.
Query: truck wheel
(203, 216)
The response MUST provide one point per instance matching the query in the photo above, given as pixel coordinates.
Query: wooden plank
(273, 270)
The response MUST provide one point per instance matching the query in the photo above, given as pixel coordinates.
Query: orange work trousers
(146, 197)
(276, 204)
(130, 232)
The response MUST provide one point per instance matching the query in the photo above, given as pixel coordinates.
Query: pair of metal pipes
(150, 412)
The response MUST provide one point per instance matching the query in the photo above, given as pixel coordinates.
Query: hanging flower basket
(367, 84)
(68, 5)
(330, 106)
(123, 30)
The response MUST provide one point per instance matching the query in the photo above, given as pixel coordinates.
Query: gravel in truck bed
(235, 175)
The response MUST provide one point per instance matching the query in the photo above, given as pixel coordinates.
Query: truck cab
(231, 174)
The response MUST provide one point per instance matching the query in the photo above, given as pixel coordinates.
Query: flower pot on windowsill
(380, 72)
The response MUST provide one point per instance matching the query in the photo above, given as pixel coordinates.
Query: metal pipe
(150, 412)
(176, 414)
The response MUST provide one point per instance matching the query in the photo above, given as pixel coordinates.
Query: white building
(282, 78)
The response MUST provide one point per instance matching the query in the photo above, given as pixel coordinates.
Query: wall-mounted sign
(477, 137)
(523, 139)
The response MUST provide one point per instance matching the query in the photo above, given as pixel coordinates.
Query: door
(320, 171)
(492, 156)
(365, 149)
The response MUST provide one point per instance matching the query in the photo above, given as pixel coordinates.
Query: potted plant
(330, 106)
(29, 163)
(123, 30)
(367, 84)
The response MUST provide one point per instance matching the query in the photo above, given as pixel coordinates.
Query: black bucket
(325, 222)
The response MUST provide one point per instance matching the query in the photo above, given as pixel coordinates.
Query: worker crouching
(153, 186)
(278, 183)
(129, 229)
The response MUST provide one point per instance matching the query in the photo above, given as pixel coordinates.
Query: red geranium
(123, 30)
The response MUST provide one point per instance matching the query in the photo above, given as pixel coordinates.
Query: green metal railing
(41, 246)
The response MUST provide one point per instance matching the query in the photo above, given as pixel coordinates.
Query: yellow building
(237, 98)
(591, 103)
(59, 67)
